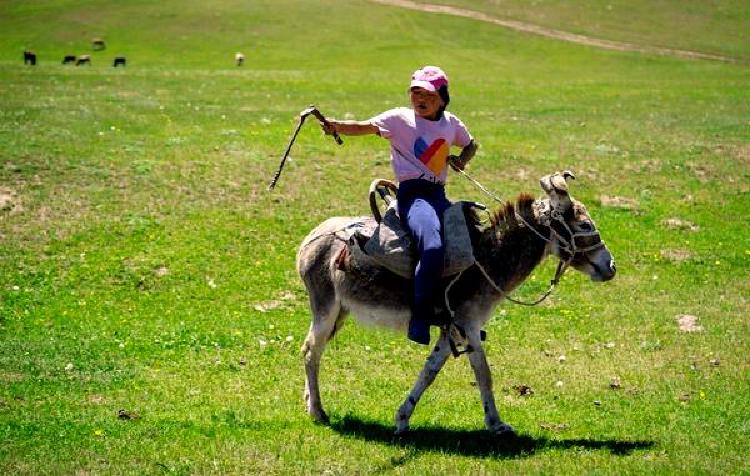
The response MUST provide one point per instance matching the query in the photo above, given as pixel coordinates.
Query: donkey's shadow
(478, 443)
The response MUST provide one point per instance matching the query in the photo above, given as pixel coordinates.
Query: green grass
(139, 244)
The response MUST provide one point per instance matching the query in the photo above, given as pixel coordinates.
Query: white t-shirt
(420, 147)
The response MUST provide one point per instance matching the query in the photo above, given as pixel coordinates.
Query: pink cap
(430, 78)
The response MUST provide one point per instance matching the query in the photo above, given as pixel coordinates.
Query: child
(420, 140)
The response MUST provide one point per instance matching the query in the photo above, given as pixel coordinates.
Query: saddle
(387, 244)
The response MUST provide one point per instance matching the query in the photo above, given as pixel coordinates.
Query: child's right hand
(329, 127)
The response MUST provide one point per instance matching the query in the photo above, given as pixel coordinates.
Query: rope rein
(562, 266)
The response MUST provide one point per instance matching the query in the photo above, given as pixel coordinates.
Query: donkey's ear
(557, 182)
(556, 186)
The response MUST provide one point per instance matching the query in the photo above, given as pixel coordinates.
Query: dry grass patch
(9, 200)
(740, 153)
(679, 224)
(618, 202)
(10, 377)
(688, 323)
(676, 255)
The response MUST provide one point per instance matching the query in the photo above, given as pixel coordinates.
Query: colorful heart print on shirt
(433, 156)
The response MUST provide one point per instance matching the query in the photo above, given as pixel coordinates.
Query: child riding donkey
(420, 138)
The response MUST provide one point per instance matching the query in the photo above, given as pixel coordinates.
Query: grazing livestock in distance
(506, 251)
(69, 59)
(97, 44)
(239, 59)
(29, 57)
(83, 59)
(119, 61)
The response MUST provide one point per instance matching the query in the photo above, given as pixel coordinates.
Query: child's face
(425, 103)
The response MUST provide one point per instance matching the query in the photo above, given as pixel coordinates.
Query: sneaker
(419, 332)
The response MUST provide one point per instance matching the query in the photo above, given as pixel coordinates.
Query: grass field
(717, 27)
(145, 268)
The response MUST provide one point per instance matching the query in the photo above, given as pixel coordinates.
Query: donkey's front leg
(484, 381)
(434, 363)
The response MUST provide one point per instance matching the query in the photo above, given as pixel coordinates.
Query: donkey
(507, 251)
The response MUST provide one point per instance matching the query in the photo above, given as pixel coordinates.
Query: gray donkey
(507, 250)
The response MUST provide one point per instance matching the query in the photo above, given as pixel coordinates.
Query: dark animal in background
(119, 61)
(83, 59)
(239, 59)
(97, 44)
(29, 57)
(69, 59)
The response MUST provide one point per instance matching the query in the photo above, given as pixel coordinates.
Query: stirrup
(457, 333)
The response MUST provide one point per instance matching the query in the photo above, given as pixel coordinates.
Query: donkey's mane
(503, 218)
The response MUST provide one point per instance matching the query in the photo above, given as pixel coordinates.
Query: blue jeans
(421, 205)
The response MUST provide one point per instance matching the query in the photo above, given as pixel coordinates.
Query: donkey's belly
(380, 315)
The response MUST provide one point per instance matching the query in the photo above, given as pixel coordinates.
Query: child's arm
(467, 153)
(349, 128)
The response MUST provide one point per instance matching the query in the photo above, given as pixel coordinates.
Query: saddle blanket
(390, 246)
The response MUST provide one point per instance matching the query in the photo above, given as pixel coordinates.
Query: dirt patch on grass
(11, 377)
(551, 33)
(618, 202)
(700, 172)
(96, 399)
(10, 201)
(676, 256)
(739, 153)
(161, 271)
(679, 224)
(648, 165)
(688, 323)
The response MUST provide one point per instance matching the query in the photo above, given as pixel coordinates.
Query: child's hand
(329, 127)
(456, 163)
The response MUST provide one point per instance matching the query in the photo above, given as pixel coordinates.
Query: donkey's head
(574, 236)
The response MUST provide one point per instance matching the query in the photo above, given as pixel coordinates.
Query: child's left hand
(456, 163)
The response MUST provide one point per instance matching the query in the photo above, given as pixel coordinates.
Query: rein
(568, 246)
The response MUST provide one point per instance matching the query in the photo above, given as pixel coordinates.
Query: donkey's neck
(509, 249)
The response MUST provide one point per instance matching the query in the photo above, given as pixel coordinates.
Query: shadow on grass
(475, 442)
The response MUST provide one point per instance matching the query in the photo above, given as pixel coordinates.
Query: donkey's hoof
(402, 417)
(401, 430)
(503, 429)
(320, 417)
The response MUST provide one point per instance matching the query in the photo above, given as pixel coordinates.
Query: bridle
(568, 245)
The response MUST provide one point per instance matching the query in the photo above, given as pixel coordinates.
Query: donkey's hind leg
(326, 320)
(434, 363)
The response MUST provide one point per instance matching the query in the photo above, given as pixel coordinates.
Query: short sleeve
(461, 137)
(387, 122)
